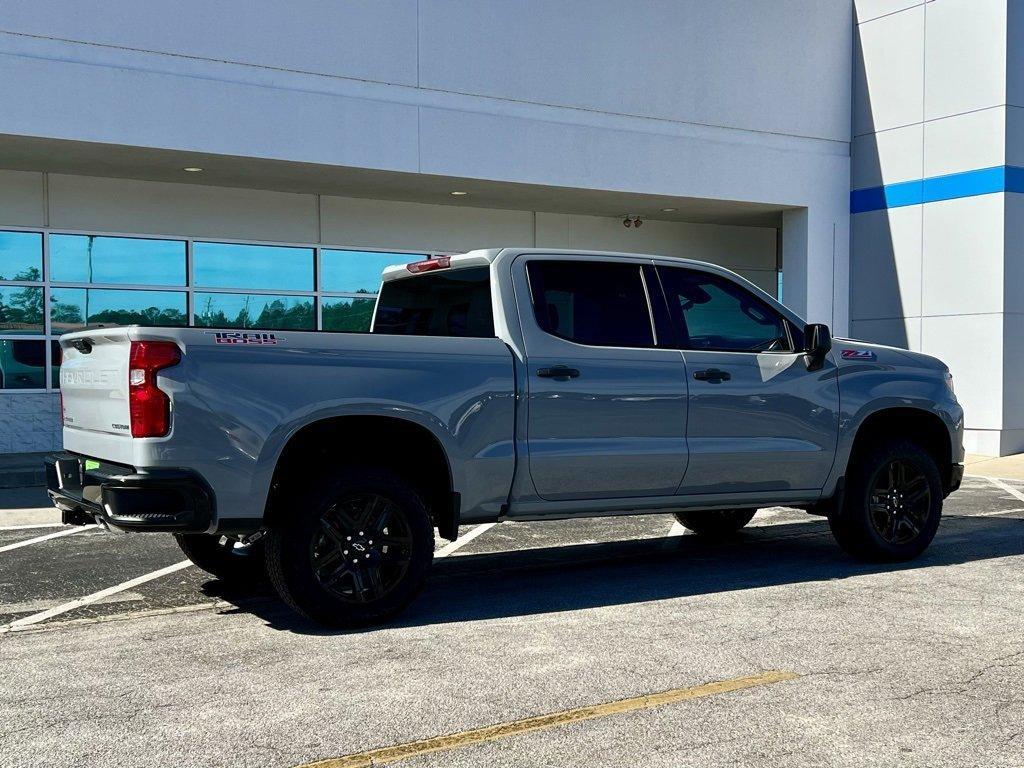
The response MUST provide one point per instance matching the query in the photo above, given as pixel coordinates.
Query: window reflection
(358, 271)
(74, 308)
(21, 256)
(254, 310)
(232, 265)
(347, 314)
(100, 259)
(21, 309)
(22, 364)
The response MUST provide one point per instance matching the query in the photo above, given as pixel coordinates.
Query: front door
(607, 407)
(758, 420)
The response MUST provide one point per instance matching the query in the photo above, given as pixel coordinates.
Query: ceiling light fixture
(192, 169)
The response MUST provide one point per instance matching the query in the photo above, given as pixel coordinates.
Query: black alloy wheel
(351, 548)
(363, 549)
(900, 501)
(892, 505)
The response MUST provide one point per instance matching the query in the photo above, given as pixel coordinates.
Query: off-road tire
(862, 526)
(223, 558)
(718, 523)
(305, 572)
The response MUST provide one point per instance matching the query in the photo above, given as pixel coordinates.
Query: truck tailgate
(94, 381)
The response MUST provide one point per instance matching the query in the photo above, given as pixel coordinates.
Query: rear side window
(714, 313)
(600, 303)
(449, 303)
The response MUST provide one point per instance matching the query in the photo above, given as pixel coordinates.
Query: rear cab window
(454, 302)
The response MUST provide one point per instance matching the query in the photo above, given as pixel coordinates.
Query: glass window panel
(231, 265)
(21, 309)
(358, 271)
(100, 259)
(21, 256)
(454, 302)
(353, 315)
(714, 313)
(591, 302)
(22, 364)
(254, 310)
(74, 308)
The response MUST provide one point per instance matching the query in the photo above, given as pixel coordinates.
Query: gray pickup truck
(505, 384)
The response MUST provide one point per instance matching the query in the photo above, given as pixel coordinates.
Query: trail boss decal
(858, 354)
(238, 337)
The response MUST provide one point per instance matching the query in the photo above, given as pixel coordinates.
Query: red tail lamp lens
(150, 408)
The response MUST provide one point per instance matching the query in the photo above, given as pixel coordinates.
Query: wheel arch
(924, 427)
(410, 449)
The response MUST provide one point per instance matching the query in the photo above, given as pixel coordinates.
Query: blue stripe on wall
(983, 181)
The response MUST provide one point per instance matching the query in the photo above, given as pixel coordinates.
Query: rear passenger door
(759, 420)
(606, 405)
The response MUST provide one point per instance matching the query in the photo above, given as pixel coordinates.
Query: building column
(931, 251)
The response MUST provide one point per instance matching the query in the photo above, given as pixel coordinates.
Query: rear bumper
(122, 498)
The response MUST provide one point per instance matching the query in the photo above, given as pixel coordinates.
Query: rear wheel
(893, 504)
(356, 549)
(717, 523)
(226, 558)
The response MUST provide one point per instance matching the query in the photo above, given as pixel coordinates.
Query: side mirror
(817, 343)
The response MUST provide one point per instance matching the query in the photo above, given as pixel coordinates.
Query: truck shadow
(508, 584)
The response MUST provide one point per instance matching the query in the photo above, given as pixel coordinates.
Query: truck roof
(484, 256)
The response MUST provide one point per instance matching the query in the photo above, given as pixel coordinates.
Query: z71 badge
(240, 337)
(858, 354)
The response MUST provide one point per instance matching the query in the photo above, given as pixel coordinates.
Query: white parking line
(35, 618)
(1008, 488)
(460, 542)
(996, 512)
(47, 537)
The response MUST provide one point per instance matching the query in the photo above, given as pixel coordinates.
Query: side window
(600, 303)
(714, 313)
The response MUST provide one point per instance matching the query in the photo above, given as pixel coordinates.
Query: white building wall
(930, 101)
(707, 99)
(703, 99)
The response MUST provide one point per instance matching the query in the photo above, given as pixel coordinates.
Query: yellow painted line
(393, 754)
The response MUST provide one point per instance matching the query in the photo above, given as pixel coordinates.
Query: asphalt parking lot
(922, 664)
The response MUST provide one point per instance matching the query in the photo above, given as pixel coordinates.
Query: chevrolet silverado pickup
(505, 384)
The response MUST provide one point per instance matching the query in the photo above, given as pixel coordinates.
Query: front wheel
(355, 549)
(892, 506)
(716, 523)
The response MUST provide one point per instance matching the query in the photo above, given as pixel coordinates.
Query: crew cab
(503, 384)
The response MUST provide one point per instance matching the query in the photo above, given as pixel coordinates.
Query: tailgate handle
(82, 345)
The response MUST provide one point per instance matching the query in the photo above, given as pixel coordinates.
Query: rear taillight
(438, 262)
(150, 408)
